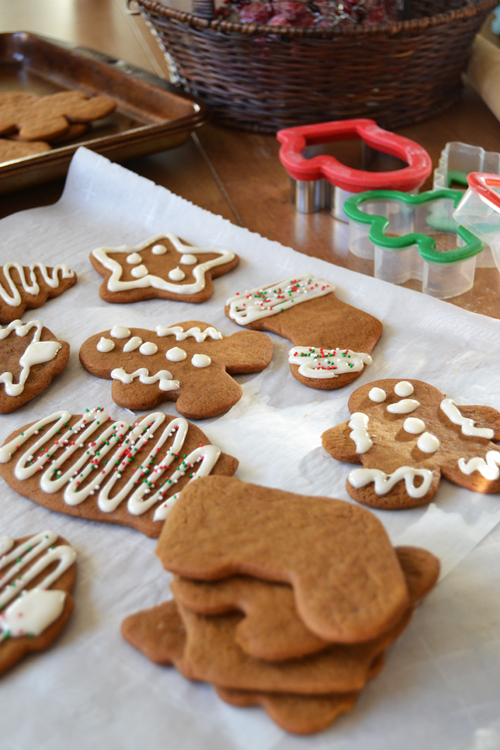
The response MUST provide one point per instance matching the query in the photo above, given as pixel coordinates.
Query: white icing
(119, 332)
(488, 469)
(107, 460)
(162, 377)
(403, 388)
(263, 302)
(201, 360)
(139, 272)
(359, 432)
(105, 345)
(377, 395)
(134, 258)
(117, 284)
(405, 406)
(428, 443)
(133, 344)
(31, 287)
(189, 259)
(176, 354)
(158, 249)
(36, 353)
(33, 611)
(195, 332)
(176, 274)
(316, 362)
(468, 425)
(385, 482)
(413, 425)
(148, 348)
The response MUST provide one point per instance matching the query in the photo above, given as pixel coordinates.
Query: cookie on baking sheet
(164, 267)
(27, 287)
(332, 341)
(12, 150)
(92, 467)
(190, 363)
(42, 118)
(30, 357)
(37, 575)
(407, 434)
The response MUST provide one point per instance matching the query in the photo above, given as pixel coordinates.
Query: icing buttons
(158, 249)
(413, 425)
(201, 360)
(176, 354)
(134, 258)
(377, 395)
(188, 259)
(403, 388)
(405, 406)
(139, 272)
(148, 348)
(177, 274)
(119, 332)
(428, 443)
(133, 344)
(105, 345)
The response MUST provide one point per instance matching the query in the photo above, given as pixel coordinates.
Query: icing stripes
(31, 287)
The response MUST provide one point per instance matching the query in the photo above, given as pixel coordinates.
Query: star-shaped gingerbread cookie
(332, 340)
(164, 267)
(23, 287)
(408, 435)
(189, 362)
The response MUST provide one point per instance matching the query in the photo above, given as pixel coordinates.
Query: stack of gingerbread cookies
(281, 600)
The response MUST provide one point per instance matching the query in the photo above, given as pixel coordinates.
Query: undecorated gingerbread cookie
(30, 357)
(23, 287)
(332, 341)
(91, 467)
(164, 267)
(11, 150)
(408, 435)
(37, 575)
(190, 363)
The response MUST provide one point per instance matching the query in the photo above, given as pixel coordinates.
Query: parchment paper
(441, 684)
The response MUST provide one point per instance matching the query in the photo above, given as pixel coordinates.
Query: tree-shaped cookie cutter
(400, 232)
(324, 182)
(479, 210)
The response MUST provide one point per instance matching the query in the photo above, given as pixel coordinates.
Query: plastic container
(479, 210)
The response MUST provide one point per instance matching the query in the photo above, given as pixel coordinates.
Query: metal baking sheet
(151, 115)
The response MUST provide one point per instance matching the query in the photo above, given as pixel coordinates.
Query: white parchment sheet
(441, 685)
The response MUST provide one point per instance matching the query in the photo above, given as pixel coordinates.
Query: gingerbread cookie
(190, 363)
(333, 595)
(37, 575)
(41, 118)
(12, 150)
(24, 287)
(91, 467)
(31, 355)
(332, 340)
(407, 435)
(164, 267)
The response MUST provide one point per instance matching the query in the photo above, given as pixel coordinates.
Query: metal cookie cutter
(414, 237)
(324, 182)
(479, 210)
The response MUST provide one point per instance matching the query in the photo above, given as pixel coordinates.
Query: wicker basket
(265, 78)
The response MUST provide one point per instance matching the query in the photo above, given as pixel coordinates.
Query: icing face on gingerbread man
(408, 435)
(332, 340)
(190, 363)
(163, 267)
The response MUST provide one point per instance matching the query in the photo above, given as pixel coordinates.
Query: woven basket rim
(469, 10)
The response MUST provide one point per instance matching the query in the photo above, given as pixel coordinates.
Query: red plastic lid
(482, 184)
(295, 140)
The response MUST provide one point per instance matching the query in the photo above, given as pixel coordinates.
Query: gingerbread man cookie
(37, 575)
(12, 150)
(408, 435)
(190, 363)
(164, 267)
(31, 355)
(24, 287)
(332, 340)
(89, 466)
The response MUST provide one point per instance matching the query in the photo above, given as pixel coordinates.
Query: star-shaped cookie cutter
(396, 230)
(324, 182)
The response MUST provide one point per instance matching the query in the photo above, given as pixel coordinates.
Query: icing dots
(384, 483)
(158, 249)
(467, 425)
(201, 360)
(148, 348)
(413, 425)
(119, 332)
(405, 406)
(132, 344)
(403, 389)
(377, 395)
(134, 258)
(195, 332)
(188, 259)
(177, 274)
(359, 432)
(262, 302)
(176, 354)
(105, 345)
(428, 443)
(36, 353)
(316, 362)
(9, 291)
(139, 272)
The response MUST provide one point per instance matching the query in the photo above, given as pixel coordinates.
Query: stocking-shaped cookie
(407, 435)
(190, 363)
(37, 575)
(91, 467)
(24, 287)
(164, 267)
(332, 341)
(30, 358)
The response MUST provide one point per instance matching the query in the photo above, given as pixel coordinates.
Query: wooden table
(233, 173)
